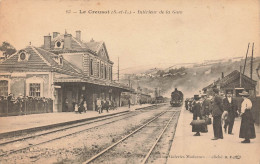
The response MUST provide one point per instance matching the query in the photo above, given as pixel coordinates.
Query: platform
(189, 149)
(25, 123)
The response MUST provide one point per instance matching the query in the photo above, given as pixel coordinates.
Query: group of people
(223, 110)
(21, 105)
(105, 104)
(99, 105)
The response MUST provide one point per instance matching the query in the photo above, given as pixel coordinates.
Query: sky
(204, 30)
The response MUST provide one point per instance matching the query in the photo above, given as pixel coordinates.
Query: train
(176, 98)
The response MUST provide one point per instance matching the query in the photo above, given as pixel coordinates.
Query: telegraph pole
(246, 59)
(252, 58)
(118, 70)
(240, 77)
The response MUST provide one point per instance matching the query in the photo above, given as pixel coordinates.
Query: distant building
(234, 82)
(2, 56)
(258, 75)
(64, 68)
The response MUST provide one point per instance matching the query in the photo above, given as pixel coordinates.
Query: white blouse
(246, 104)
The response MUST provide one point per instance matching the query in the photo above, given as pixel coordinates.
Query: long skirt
(247, 128)
(217, 127)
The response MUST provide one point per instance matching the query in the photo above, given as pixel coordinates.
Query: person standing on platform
(230, 106)
(129, 103)
(247, 128)
(102, 105)
(66, 105)
(106, 105)
(217, 110)
(186, 103)
(85, 106)
(197, 115)
(99, 105)
(206, 106)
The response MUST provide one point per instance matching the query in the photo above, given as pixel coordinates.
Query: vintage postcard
(129, 81)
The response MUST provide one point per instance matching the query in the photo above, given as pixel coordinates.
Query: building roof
(39, 60)
(92, 47)
(61, 78)
(233, 79)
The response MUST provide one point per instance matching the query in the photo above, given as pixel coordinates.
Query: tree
(160, 72)
(7, 48)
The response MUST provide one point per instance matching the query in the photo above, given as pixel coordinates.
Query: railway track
(104, 153)
(64, 132)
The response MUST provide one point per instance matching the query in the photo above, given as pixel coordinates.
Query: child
(76, 108)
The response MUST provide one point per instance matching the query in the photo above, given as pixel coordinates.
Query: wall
(18, 82)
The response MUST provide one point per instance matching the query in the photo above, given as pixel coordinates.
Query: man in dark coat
(196, 108)
(186, 104)
(217, 110)
(230, 106)
(129, 103)
(206, 106)
(247, 128)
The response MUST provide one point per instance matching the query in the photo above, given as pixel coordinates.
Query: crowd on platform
(20, 105)
(99, 105)
(223, 109)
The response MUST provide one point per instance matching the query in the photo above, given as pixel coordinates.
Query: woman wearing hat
(247, 128)
(197, 115)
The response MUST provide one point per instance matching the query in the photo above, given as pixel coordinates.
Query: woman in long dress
(247, 128)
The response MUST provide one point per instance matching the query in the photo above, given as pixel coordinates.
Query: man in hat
(197, 115)
(217, 110)
(247, 128)
(205, 105)
(230, 107)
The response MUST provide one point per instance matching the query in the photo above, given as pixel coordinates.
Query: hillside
(189, 79)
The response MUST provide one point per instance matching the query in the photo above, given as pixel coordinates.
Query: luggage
(199, 126)
(198, 122)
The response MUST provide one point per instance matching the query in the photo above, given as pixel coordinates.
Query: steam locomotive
(176, 98)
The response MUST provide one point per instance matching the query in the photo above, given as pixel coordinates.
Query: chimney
(55, 34)
(222, 75)
(78, 35)
(67, 41)
(47, 42)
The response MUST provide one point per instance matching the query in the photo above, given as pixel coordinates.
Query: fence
(25, 106)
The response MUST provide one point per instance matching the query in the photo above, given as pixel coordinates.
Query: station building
(64, 69)
(234, 82)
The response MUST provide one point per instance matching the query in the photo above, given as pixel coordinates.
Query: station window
(35, 90)
(98, 69)
(105, 72)
(91, 67)
(3, 87)
(109, 73)
(101, 71)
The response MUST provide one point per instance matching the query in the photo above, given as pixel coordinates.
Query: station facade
(65, 69)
